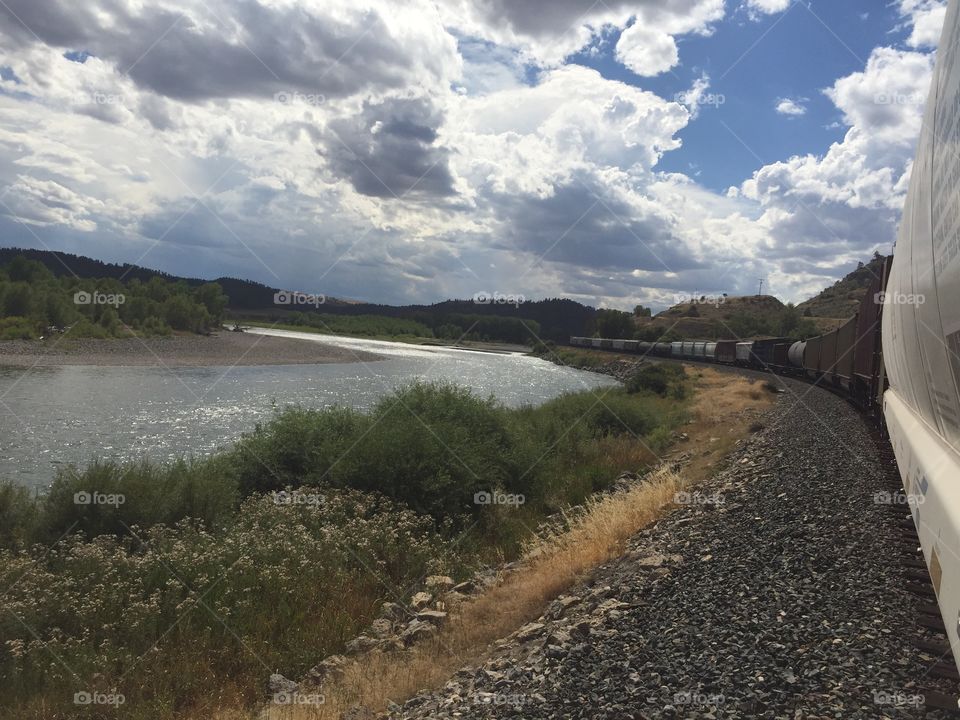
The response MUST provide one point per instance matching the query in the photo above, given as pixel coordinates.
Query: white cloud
(767, 7)
(788, 106)
(926, 17)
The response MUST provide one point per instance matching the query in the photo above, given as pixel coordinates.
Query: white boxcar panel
(921, 333)
(743, 351)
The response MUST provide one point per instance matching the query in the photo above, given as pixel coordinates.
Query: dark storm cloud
(245, 49)
(541, 18)
(584, 224)
(389, 150)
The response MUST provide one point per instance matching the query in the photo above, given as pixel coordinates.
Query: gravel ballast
(775, 591)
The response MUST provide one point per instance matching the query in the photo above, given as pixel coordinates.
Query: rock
(467, 587)
(421, 600)
(559, 607)
(279, 684)
(652, 561)
(439, 583)
(556, 652)
(529, 631)
(417, 631)
(330, 668)
(381, 628)
(392, 611)
(434, 617)
(360, 644)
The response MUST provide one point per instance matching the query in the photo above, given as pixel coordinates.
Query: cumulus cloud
(793, 107)
(758, 8)
(406, 152)
(926, 19)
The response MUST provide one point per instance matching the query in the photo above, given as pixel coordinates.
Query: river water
(53, 416)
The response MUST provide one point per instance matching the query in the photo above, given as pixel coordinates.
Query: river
(52, 416)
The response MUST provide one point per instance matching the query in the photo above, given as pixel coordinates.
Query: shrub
(433, 446)
(662, 379)
(300, 446)
(108, 497)
(17, 515)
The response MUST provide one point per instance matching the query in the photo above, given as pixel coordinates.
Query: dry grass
(724, 409)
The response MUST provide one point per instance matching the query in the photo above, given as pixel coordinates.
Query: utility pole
(760, 289)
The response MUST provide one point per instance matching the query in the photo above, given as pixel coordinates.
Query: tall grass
(204, 576)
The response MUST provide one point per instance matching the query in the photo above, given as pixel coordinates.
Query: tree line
(34, 302)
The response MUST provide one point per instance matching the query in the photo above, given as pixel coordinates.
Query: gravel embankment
(224, 348)
(778, 593)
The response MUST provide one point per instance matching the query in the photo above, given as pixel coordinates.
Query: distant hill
(842, 299)
(558, 318)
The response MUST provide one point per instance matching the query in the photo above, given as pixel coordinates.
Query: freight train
(898, 358)
(848, 360)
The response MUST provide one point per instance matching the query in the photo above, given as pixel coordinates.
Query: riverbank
(221, 349)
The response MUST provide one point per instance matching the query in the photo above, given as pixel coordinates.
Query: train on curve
(848, 360)
(899, 357)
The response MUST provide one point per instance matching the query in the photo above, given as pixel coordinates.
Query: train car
(868, 384)
(580, 342)
(618, 344)
(676, 349)
(595, 343)
(744, 353)
(700, 350)
(781, 356)
(811, 357)
(795, 355)
(726, 351)
(710, 351)
(921, 336)
(846, 346)
(631, 346)
(828, 356)
(644, 348)
(664, 349)
(688, 349)
(762, 352)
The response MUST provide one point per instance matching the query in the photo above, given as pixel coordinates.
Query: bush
(300, 446)
(108, 497)
(17, 515)
(433, 446)
(17, 328)
(662, 379)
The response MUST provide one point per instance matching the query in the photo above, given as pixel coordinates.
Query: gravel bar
(777, 592)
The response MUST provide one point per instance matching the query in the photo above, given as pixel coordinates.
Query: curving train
(848, 360)
(899, 357)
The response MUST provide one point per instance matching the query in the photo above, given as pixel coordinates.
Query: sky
(411, 151)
